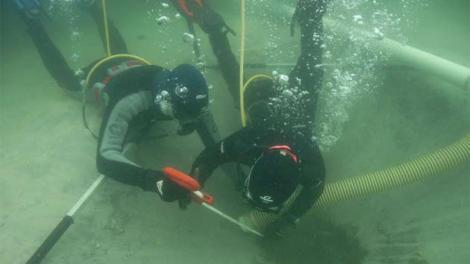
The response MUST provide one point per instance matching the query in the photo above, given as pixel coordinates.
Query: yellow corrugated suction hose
(388, 179)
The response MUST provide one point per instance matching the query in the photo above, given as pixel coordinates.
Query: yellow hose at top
(109, 54)
(242, 61)
(106, 28)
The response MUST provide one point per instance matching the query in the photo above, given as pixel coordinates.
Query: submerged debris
(163, 20)
(283, 79)
(378, 34)
(358, 19)
(188, 38)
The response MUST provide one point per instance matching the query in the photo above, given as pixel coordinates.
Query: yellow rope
(242, 60)
(106, 29)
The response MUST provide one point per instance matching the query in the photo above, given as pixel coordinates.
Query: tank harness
(100, 75)
(99, 88)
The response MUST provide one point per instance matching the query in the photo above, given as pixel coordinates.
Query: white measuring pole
(230, 219)
(85, 196)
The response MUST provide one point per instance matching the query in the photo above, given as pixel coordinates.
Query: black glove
(281, 226)
(155, 181)
(170, 192)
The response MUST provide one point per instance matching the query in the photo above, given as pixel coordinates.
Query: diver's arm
(207, 161)
(233, 148)
(110, 158)
(308, 73)
(307, 197)
(313, 182)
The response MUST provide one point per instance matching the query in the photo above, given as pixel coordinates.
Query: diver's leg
(116, 41)
(214, 25)
(227, 63)
(309, 15)
(52, 59)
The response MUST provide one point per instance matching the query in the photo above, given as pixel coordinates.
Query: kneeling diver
(137, 98)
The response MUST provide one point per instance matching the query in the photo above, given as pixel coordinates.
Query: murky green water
(374, 113)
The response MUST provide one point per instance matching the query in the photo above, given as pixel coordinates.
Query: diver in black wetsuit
(279, 149)
(30, 12)
(136, 95)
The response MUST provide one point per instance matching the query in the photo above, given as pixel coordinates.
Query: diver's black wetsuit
(246, 145)
(250, 142)
(128, 115)
(54, 61)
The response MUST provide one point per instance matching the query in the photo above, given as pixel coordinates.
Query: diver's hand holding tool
(192, 185)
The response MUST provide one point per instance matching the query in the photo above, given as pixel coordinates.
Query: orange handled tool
(189, 183)
(192, 185)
